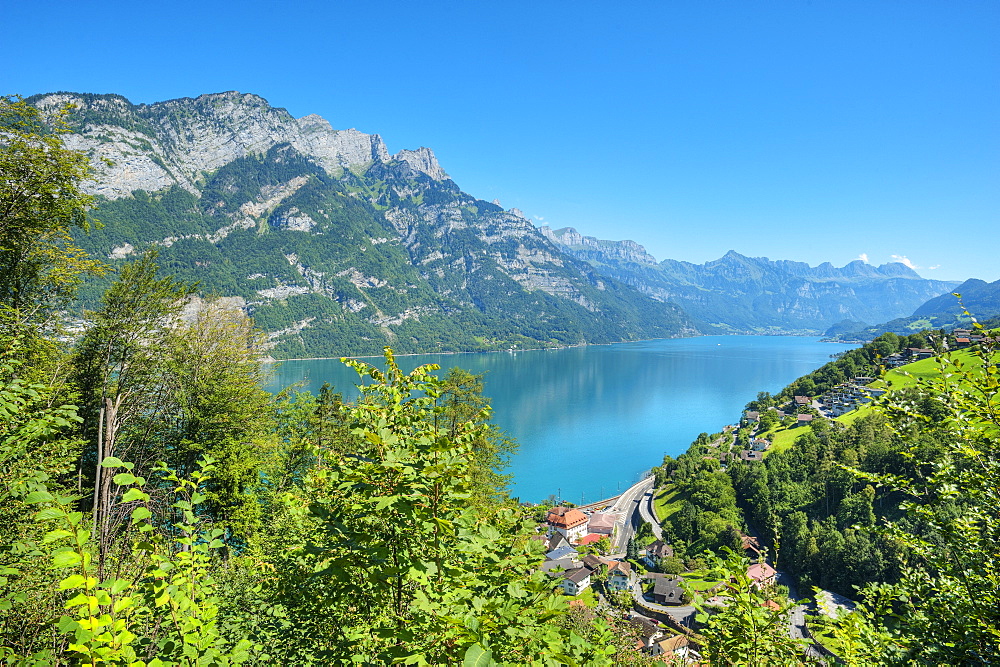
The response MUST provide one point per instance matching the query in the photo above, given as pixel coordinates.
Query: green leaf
(477, 656)
(72, 581)
(65, 558)
(37, 497)
(112, 462)
(140, 513)
(55, 535)
(124, 478)
(133, 494)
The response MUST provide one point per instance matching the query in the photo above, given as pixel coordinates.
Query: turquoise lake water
(590, 420)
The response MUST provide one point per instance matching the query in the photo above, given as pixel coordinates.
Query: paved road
(628, 505)
(647, 514)
(681, 613)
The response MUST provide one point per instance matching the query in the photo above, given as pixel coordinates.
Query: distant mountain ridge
(978, 297)
(332, 244)
(754, 294)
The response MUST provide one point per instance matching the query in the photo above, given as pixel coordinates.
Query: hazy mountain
(754, 294)
(947, 311)
(334, 245)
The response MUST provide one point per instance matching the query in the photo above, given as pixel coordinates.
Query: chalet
(962, 341)
(647, 629)
(918, 353)
(750, 455)
(565, 551)
(656, 552)
(620, 576)
(576, 581)
(760, 444)
(571, 523)
(603, 523)
(555, 568)
(669, 646)
(557, 540)
(803, 400)
(803, 420)
(668, 590)
(762, 574)
(894, 360)
(751, 545)
(752, 416)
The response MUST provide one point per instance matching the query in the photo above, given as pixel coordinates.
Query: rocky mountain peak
(424, 161)
(627, 251)
(154, 146)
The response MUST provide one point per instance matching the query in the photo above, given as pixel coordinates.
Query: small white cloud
(863, 257)
(936, 266)
(906, 261)
(540, 218)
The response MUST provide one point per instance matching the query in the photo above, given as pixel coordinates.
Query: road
(628, 505)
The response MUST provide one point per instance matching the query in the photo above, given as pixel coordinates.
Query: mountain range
(336, 246)
(331, 243)
(976, 298)
(739, 294)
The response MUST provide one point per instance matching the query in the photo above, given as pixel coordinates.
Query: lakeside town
(611, 557)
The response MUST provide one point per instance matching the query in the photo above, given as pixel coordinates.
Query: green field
(701, 580)
(668, 500)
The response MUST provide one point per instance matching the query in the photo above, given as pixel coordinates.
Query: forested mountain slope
(335, 246)
(755, 294)
(942, 312)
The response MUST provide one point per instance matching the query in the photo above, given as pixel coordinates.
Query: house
(576, 581)
(647, 629)
(803, 420)
(762, 574)
(656, 552)
(620, 576)
(917, 353)
(760, 444)
(569, 522)
(557, 540)
(555, 568)
(669, 646)
(589, 538)
(751, 545)
(668, 590)
(593, 563)
(752, 416)
(962, 341)
(565, 551)
(603, 523)
(750, 455)
(803, 400)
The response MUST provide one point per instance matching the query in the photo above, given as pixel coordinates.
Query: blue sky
(819, 131)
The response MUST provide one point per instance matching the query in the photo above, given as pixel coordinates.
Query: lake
(590, 420)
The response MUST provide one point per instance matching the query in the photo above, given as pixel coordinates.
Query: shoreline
(272, 360)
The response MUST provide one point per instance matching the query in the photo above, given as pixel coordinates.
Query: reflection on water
(590, 420)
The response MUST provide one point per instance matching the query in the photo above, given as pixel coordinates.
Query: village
(585, 562)
(610, 556)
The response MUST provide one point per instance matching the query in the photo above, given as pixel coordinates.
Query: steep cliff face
(335, 245)
(738, 293)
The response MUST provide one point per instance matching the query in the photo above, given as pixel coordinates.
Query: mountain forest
(158, 507)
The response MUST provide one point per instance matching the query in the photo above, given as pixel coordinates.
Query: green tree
(40, 202)
(122, 376)
(945, 599)
(744, 630)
